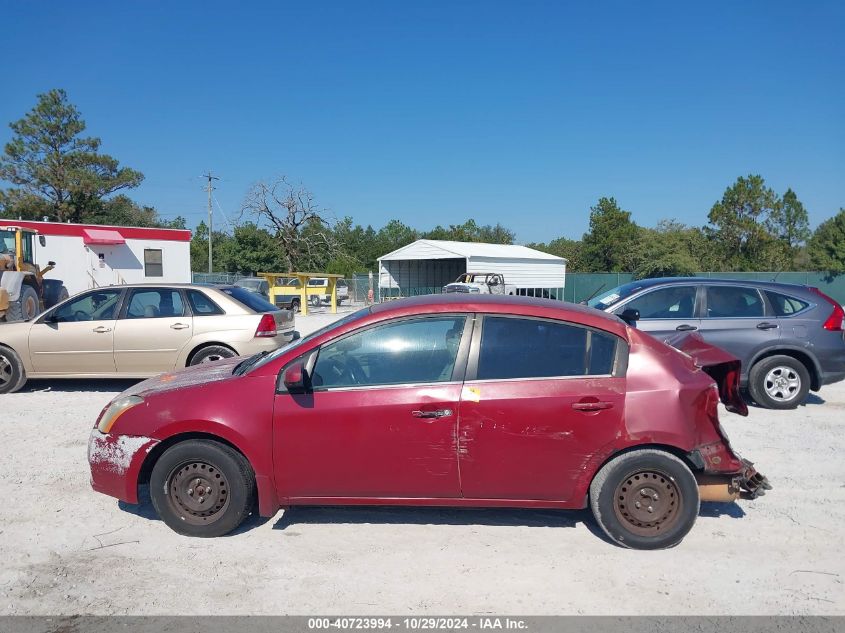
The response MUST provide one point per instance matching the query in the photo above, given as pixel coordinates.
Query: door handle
(101, 329)
(686, 328)
(766, 326)
(179, 326)
(592, 406)
(438, 413)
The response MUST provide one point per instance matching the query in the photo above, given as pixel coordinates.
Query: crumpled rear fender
(720, 365)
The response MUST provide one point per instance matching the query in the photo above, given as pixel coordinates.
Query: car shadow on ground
(145, 509)
(812, 398)
(715, 509)
(79, 385)
(394, 515)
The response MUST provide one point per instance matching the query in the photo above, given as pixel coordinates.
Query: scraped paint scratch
(114, 453)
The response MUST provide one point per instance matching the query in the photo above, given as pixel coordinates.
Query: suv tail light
(267, 326)
(836, 319)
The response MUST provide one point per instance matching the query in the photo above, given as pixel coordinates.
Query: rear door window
(155, 302)
(536, 348)
(733, 302)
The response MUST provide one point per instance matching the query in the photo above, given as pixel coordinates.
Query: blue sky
(523, 113)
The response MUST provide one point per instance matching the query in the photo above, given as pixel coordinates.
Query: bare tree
(300, 227)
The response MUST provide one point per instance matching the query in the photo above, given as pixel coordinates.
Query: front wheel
(779, 382)
(202, 488)
(645, 499)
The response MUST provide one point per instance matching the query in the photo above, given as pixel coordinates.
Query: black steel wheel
(645, 499)
(202, 488)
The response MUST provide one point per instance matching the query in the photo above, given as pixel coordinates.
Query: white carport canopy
(434, 263)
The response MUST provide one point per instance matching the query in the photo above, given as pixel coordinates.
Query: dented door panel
(531, 439)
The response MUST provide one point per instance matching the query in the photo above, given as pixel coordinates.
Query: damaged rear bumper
(748, 484)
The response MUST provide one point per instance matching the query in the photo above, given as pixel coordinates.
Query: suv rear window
(784, 305)
(250, 300)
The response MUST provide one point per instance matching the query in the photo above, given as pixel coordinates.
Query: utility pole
(209, 188)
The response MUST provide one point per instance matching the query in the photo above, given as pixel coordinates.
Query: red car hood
(197, 375)
(723, 367)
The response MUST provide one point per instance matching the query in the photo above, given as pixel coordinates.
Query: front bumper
(116, 461)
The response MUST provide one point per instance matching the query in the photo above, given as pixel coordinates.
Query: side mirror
(630, 316)
(295, 378)
(42, 240)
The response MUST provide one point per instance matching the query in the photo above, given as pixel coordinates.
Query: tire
(26, 307)
(12, 373)
(211, 354)
(314, 301)
(63, 294)
(294, 305)
(632, 478)
(779, 382)
(220, 473)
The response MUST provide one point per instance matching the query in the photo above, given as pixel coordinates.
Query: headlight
(115, 410)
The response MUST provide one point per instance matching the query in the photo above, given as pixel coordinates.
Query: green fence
(579, 286)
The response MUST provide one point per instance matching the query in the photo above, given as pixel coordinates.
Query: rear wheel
(211, 354)
(779, 382)
(294, 305)
(314, 301)
(12, 374)
(645, 499)
(202, 488)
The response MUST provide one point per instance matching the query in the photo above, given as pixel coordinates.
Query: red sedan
(443, 400)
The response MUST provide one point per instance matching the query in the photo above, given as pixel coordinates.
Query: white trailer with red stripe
(91, 256)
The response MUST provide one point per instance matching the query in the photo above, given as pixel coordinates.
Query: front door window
(408, 352)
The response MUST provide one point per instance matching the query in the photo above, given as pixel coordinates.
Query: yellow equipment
(291, 290)
(23, 290)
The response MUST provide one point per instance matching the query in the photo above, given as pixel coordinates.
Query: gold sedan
(140, 331)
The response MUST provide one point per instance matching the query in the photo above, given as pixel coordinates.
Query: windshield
(250, 300)
(294, 344)
(248, 283)
(604, 300)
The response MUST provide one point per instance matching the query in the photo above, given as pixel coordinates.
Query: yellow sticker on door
(473, 394)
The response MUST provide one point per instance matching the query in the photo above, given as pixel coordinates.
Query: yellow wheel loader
(24, 292)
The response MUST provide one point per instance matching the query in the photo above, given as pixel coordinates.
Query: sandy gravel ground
(67, 550)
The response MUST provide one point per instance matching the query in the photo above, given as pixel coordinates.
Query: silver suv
(789, 338)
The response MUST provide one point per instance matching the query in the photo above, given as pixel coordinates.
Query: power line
(222, 212)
